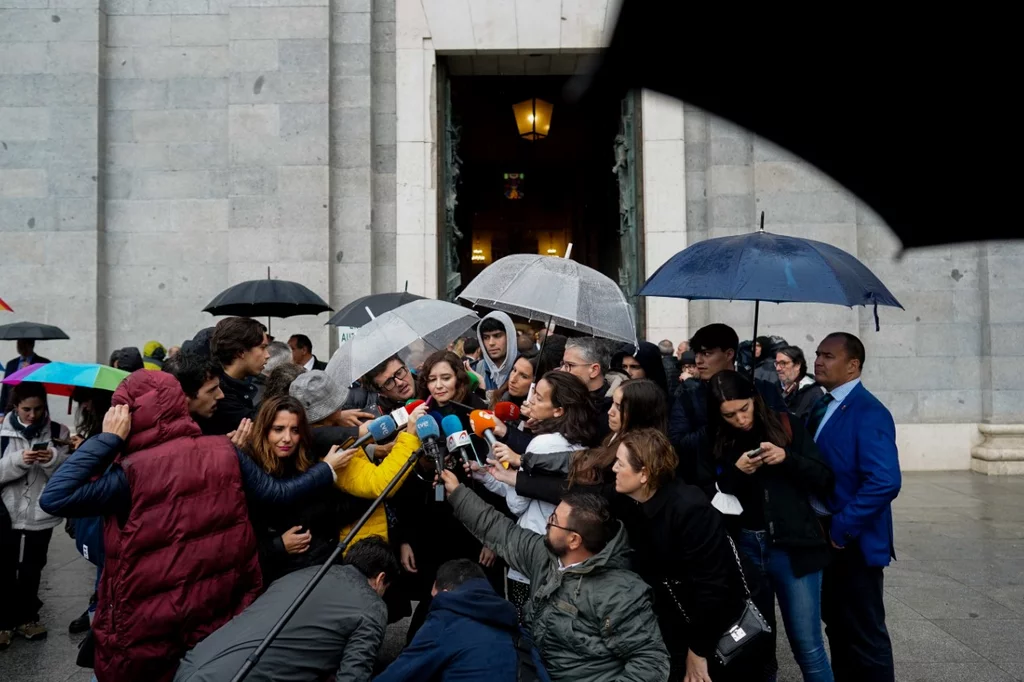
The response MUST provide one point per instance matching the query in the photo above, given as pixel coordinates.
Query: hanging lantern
(533, 118)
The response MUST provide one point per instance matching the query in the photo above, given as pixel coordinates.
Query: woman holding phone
(773, 468)
(31, 448)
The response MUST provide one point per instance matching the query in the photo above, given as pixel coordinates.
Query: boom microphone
(457, 438)
(430, 437)
(377, 430)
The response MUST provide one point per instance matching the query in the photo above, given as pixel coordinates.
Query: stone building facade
(153, 152)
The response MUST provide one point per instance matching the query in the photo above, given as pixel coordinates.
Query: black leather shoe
(80, 624)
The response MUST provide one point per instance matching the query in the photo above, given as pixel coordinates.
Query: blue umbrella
(762, 266)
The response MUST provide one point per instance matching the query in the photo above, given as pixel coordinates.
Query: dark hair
(644, 406)
(89, 422)
(369, 380)
(590, 518)
(453, 573)
(578, 421)
(234, 336)
(461, 377)
(29, 389)
(491, 324)
(731, 385)
(372, 556)
(551, 355)
(114, 357)
(470, 346)
(192, 371)
(302, 341)
(259, 447)
(715, 335)
(280, 380)
(651, 450)
(854, 347)
(497, 395)
(796, 355)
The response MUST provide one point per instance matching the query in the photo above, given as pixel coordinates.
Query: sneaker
(31, 631)
(5, 638)
(80, 624)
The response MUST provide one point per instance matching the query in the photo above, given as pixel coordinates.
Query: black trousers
(21, 573)
(854, 615)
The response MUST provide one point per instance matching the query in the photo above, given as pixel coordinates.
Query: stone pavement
(955, 598)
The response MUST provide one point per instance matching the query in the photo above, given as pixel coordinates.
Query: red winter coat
(184, 561)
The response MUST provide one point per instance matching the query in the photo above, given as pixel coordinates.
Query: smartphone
(45, 445)
(753, 454)
(349, 442)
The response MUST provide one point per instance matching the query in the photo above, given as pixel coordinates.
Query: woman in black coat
(683, 551)
(772, 466)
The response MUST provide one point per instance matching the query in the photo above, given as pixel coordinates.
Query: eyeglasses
(552, 524)
(568, 366)
(399, 374)
(783, 364)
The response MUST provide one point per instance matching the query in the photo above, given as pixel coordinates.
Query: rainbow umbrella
(61, 378)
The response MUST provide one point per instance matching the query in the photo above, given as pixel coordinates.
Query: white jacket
(533, 514)
(23, 483)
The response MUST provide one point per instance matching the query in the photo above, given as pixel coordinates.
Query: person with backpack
(470, 633)
(31, 448)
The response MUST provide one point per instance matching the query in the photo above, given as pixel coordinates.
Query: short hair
(280, 354)
(592, 351)
(715, 335)
(854, 346)
(191, 370)
(651, 449)
(795, 354)
(114, 357)
(25, 390)
(666, 347)
(492, 324)
(280, 380)
(373, 556)
(453, 573)
(234, 336)
(590, 519)
(470, 346)
(369, 380)
(302, 341)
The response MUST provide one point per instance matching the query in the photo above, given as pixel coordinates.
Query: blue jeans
(799, 602)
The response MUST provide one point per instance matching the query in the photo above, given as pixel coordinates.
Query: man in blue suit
(857, 436)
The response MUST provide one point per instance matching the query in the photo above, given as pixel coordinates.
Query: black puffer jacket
(785, 489)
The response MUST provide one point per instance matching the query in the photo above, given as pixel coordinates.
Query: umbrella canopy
(869, 120)
(557, 289)
(424, 323)
(34, 331)
(354, 314)
(267, 298)
(61, 378)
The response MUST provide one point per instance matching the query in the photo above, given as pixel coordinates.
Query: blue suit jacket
(859, 443)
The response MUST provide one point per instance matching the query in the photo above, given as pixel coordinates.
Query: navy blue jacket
(70, 492)
(859, 443)
(468, 635)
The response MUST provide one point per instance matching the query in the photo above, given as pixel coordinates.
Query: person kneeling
(340, 627)
(470, 634)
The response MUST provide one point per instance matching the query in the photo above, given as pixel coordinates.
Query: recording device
(507, 412)
(45, 445)
(457, 439)
(482, 423)
(377, 430)
(430, 437)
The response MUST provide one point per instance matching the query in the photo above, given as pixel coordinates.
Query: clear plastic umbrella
(557, 290)
(412, 329)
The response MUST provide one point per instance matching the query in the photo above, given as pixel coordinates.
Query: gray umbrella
(554, 289)
(411, 329)
(34, 331)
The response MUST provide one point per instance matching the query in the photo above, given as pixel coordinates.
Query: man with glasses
(585, 359)
(580, 588)
(383, 389)
(799, 389)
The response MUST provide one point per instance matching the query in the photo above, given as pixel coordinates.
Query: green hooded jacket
(592, 622)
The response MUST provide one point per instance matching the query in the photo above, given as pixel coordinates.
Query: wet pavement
(955, 597)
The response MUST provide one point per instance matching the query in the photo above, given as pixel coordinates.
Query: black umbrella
(34, 331)
(902, 113)
(354, 314)
(267, 298)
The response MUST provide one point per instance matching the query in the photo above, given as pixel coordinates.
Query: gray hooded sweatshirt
(496, 375)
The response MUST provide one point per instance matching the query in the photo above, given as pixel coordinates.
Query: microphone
(377, 430)
(430, 437)
(482, 423)
(401, 415)
(507, 412)
(458, 438)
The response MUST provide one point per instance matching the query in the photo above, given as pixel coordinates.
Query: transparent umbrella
(557, 290)
(413, 328)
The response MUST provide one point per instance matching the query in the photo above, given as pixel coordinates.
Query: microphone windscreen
(480, 421)
(412, 405)
(451, 425)
(381, 427)
(506, 411)
(426, 427)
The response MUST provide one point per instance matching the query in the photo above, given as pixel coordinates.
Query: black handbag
(750, 627)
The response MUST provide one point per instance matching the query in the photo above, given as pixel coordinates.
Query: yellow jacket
(362, 478)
